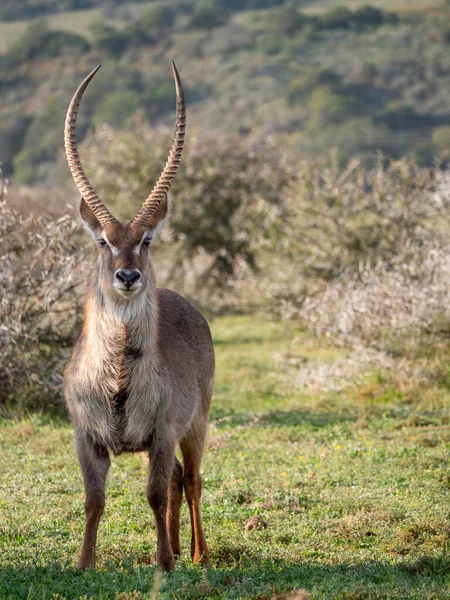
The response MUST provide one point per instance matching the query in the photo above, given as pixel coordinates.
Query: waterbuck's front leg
(94, 462)
(162, 455)
(173, 509)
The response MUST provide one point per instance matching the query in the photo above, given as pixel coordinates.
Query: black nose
(128, 277)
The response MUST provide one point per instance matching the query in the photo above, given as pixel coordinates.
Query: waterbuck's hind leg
(94, 463)
(192, 448)
(173, 510)
(162, 455)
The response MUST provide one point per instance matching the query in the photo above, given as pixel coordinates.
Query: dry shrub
(377, 254)
(360, 256)
(38, 279)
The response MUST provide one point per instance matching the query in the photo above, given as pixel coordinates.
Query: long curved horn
(73, 158)
(166, 178)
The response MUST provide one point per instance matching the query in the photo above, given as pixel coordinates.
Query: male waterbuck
(140, 375)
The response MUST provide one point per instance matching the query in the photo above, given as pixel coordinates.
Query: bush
(158, 17)
(378, 241)
(339, 17)
(158, 96)
(12, 10)
(238, 5)
(303, 85)
(109, 40)
(208, 14)
(38, 306)
(257, 4)
(116, 107)
(286, 20)
(12, 135)
(371, 16)
(329, 106)
(423, 154)
(367, 16)
(151, 27)
(399, 115)
(41, 42)
(42, 140)
(440, 137)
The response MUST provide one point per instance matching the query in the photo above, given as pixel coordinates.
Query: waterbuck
(140, 375)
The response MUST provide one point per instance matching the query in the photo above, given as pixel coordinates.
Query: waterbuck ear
(161, 215)
(89, 219)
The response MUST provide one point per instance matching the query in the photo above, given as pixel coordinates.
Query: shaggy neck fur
(119, 331)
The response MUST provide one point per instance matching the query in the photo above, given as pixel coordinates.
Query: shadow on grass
(301, 418)
(240, 340)
(231, 576)
(304, 417)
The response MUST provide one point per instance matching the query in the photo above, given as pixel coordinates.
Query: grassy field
(354, 486)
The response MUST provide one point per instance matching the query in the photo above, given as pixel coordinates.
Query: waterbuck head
(124, 265)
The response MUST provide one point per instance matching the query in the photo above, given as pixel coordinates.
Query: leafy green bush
(304, 84)
(373, 17)
(208, 14)
(341, 17)
(327, 106)
(423, 154)
(116, 107)
(441, 138)
(399, 115)
(158, 17)
(158, 96)
(41, 42)
(42, 140)
(10, 10)
(238, 5)
(12, 135)
(257, 4)
(285, 20)
(109, 40)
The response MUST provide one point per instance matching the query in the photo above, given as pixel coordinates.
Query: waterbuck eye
(102, 242)
(146, 242)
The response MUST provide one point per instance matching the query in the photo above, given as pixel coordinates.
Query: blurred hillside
(310, 75)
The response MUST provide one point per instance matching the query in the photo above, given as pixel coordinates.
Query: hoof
(202, 559)
(167, 562)
(84, 564)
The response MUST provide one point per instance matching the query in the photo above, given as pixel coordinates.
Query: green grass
(354, 486)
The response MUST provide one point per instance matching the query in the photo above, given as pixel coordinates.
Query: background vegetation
(312, 75)
(324, 274)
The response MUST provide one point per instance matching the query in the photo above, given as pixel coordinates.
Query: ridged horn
(73, 158)
(166, 178)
